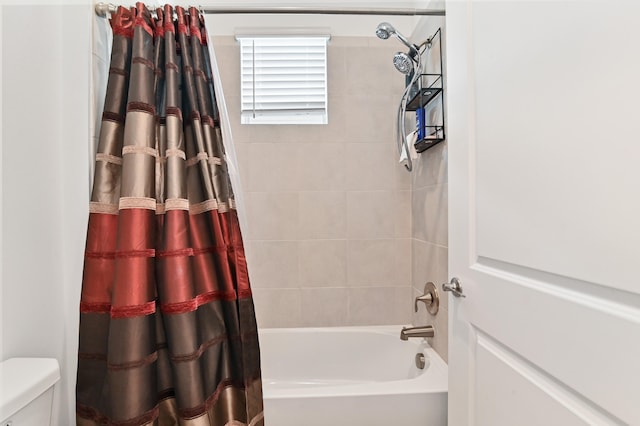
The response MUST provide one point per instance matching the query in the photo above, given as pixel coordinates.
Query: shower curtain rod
(103, 9)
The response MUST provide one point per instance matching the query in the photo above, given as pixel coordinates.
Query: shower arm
(413, 49)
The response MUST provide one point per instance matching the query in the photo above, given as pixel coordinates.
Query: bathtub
(350, 376)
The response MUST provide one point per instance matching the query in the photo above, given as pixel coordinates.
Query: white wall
(45, 99)
(1, 204)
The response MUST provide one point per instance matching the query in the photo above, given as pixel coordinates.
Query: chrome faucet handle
(430, 299)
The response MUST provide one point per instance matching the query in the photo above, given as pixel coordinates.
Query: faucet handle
(430, 299)
(426, 298)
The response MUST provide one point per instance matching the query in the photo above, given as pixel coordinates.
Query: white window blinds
(283, 79)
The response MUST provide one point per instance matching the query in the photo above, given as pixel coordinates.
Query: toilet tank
(26, 391)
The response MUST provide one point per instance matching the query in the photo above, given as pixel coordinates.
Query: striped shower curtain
(167, 326)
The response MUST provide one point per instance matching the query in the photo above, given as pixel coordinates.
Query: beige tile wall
(429, 223)
(328, 207)
(429, 243)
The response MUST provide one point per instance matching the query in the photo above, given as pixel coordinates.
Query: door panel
(557, 106)
(525, 395)
(583, 342)
(544, 212)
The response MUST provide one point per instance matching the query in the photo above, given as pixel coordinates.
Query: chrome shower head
(403, 62)
(386, 30)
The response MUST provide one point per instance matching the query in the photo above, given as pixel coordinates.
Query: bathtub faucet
(423, 331)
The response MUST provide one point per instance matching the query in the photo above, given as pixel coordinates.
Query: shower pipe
(104, 9)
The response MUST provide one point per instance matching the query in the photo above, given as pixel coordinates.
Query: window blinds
(283, 79)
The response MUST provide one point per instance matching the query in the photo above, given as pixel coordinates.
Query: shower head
(386, 30)
(403, 62)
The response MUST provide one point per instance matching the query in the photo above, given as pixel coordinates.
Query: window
(283, 79)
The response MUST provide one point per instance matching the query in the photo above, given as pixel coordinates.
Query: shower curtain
(167, 327)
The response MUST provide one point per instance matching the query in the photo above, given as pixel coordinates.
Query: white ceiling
(335, 25)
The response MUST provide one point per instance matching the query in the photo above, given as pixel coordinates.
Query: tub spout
(423, 331)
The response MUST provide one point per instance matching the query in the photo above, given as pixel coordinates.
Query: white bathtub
(350, 376)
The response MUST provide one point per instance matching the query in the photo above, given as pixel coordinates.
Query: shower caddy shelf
(430, 89)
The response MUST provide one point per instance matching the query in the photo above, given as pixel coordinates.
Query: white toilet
(26, 391)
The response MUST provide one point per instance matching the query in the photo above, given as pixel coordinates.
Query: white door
(544, 212)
